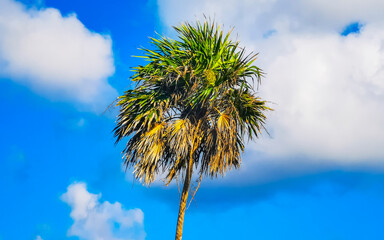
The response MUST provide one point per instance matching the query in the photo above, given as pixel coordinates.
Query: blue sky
(319, 175)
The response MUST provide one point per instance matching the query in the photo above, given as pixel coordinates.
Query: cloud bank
(101, 220)
(328, 89)
(55, 55)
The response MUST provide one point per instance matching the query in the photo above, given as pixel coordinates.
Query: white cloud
(94, 220)
(329, 92)
(38, 238)
(328, 89)
(55, 55)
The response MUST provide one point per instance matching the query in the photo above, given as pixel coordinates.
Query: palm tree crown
(193, 106)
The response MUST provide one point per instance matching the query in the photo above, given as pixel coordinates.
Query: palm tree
(193, 108)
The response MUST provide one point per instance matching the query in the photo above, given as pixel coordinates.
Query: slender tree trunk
(183, 200)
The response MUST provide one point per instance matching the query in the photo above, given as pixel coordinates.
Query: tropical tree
(193, 108)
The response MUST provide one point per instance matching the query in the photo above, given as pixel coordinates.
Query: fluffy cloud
(328, 88)
(329, 92)
(94, 220)
(55, 55)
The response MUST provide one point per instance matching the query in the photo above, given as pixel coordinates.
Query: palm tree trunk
(183, 200)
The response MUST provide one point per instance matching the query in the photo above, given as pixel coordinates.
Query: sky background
(319, 175)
